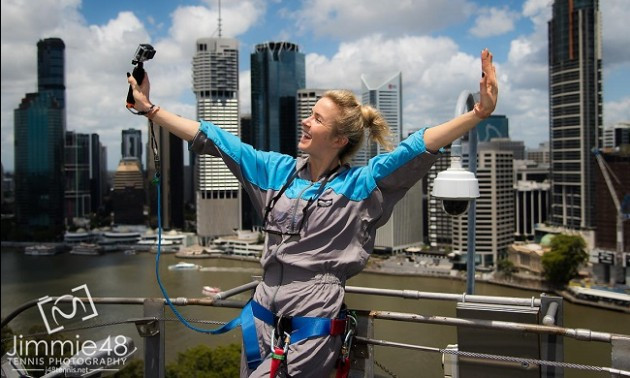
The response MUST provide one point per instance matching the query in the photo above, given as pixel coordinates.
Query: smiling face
(318, 133)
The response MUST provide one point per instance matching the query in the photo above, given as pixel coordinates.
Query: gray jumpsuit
(308, 258)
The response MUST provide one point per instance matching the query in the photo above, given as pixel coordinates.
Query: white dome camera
(455, 187)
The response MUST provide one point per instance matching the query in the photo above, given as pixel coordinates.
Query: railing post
(362, 355)
(620, 353)
(551, 346)
(154, 340)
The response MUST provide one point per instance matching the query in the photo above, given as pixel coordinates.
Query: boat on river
(184, 266)
(43, 249)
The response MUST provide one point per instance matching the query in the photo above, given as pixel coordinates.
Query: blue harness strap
(304, 327)
(250, 340)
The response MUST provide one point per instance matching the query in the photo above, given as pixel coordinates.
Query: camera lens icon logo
(53, 316)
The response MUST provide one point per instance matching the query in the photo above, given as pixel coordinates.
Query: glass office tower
(277, 72)
(39, 124)
(575, 110)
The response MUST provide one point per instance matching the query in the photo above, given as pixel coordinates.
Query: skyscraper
(575, 110)
(215, 84)
(131, 145)
(404, 228)
(51, 68)
(306, 99)
(539, 154)
(495, 209)
(78, 201)
(98, 171)
(495, 126)
(128, 192)
(440, 230)
(277, 70)
(40, 126)
(383, 92)
(171, 150)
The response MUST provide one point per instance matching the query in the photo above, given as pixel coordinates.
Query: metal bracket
(147, 327)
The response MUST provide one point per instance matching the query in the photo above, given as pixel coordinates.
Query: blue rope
(156, 180)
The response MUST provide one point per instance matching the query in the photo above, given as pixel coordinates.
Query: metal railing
(151, 328)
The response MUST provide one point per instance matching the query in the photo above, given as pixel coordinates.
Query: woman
(320, 214)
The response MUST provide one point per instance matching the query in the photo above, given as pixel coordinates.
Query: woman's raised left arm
(443, 134)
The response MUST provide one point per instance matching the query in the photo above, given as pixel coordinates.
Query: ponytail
(355, 121)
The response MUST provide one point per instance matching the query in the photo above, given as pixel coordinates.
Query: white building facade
(216, 87)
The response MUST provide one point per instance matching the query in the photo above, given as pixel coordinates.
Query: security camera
(455, 187)
(455, 207)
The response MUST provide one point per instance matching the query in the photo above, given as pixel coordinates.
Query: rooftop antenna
(219, 18)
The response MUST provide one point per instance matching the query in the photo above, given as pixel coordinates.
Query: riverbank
(428, 269)
(400, 267)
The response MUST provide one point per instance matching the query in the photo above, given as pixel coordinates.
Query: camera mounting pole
(143, 53)
(458, 188)
(466, 103)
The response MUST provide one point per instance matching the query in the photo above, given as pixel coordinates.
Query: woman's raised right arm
(182, 127)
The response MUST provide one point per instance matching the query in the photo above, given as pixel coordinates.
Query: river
(25, 278)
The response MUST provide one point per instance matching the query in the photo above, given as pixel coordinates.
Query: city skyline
(436, 50)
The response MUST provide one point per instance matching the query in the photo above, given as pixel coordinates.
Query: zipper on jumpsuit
(297, 202)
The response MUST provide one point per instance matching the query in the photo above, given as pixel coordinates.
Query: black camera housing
(144, 52)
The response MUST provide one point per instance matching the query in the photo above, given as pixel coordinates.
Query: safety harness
(293, 330)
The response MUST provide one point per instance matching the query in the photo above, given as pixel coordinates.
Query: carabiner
(287, 341)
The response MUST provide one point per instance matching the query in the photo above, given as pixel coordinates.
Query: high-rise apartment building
(98, 172)
(383, 92)
(77, 198)
(128, 193)
(51, 68)
(540, 154)
(404, 228)
(131, 145)
(216, 87)
(440, 230)
(171, 150)
(505, 144)
(575, 110)
(495, 209)
(495, 126)
(277, 72)
(306, 100)
(40, 125)
(617, 135)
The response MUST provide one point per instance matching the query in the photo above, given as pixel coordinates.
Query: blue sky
(435, 44)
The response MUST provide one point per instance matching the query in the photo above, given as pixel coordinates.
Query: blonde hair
(354, 120)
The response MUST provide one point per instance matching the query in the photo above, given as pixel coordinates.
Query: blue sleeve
(257, 171)
(401, 168)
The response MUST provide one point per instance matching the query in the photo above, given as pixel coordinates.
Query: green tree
(204, 362)
(506, 267)
(562, 262)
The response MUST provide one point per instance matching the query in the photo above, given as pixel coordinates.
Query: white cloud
(616, 48)
(617, 111)
(193, 22)
(351, 19)
(493, 22)
(539, 11)
(433, 71)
